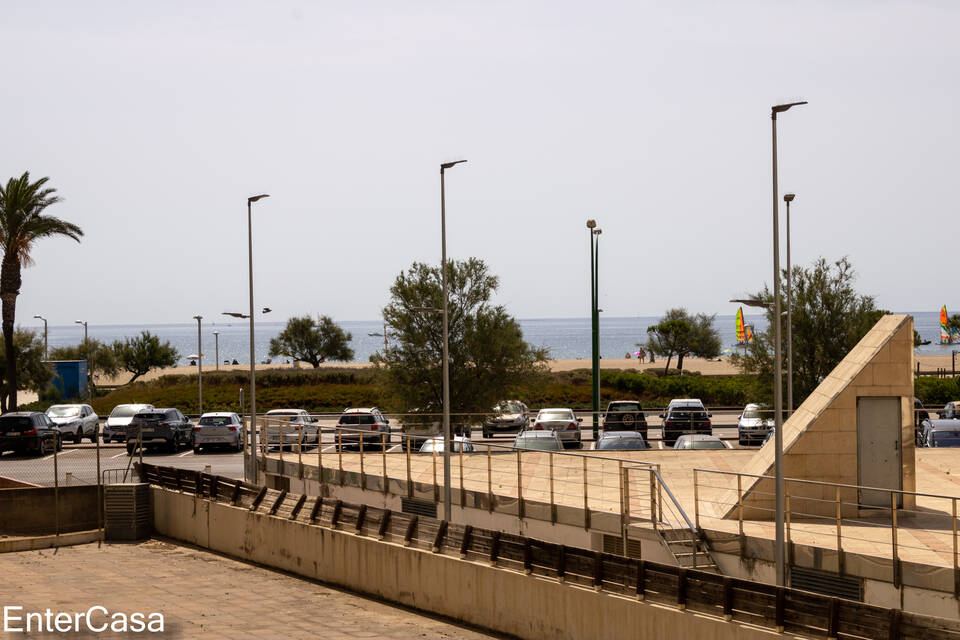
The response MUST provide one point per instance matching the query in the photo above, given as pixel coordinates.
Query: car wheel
(78, 436)
(196, 451)
(130, 448)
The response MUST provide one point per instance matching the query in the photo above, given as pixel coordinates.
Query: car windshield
(215, 421)
(63, 412)
(150, 416)
(124, 411)
(686, 413)
(15, 422)
(701, 444)
(509, 407)
(555, 415)
(755, 413)
(625, 406)
(621, 444)
(537, 444)
(436, 444)
(946, 439)
(357, 418)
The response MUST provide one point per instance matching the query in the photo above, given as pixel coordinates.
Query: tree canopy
(829, 318)
(143, 353)
(22, 223)
(680, 334)
(313, 342)
(101, 358)
(32, 372)
(488, 357)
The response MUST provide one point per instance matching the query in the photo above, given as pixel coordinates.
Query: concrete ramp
(856, 428)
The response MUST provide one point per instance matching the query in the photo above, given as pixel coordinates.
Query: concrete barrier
(32, 511)
(499, 599)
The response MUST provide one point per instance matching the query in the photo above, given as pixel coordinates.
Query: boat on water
(375, 334)
(744, 331)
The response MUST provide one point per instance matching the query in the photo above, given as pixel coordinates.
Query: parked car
(698, 441)
(366, 424)
(75, 421)
(167, 428)
(115, 428)
(685, 415)
(218, 429)
(509, 416)
(625, 415)
(460, 443)
(951, 411)
(754, 424)
(563, 422)
(29, 432)
(538, 441)
(620, 441)
(293, 426)
(940, 433)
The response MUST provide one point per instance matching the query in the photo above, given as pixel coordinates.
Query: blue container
(70, 378)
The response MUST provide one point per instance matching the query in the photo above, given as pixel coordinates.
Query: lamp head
(447, 165)
(198, 318)
(788, 197)
(597, 231)
(780, 108)
(235, 314)
(259, 197)
(266, 310)
(591, 224)
(79, 322)
(38, 317)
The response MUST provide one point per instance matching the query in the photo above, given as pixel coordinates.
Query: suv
(509, 416)
(366, 424)
(165, 427)
(78, 420)
(625, 415)
(685, 415)
(29, 431)
(115, 428)
(290, 425)
(754, 424)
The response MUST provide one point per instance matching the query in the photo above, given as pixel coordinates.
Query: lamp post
(778, 551)
(447, 444)
(595, 320)
(788, 198)
(38, 317)
(216, 348)
(199, 365)
(252, 468)
(86, 353)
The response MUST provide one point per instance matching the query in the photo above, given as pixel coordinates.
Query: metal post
(340, 454)
(216, 349)
(553, 505)
(595, 327)
(300, 451)
(777, 373)
(956, 564)
(320, 458)
(586, 500)
(789, 538)
(253, 473)
(743, 540)
(789, 320)
(840, 563)
(199, 365)
(100, 490)
(463, 494)
(624, 509)
(893, 533)
(490, 478)
(363, 474)
(383, 456)
(520, 510)
(56, 482)
(436, 487)
(696, 501)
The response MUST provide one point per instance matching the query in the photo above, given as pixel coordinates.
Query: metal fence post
(363, 473)
(383, 455)
(696, 500)
(280, 436)
(320, 459)
(436, 488)
(893, 533)
(743, 540)
(100, 489)
(300, 451)
(586, 497)
(340, 453)
(553, 505)
(786, 503)
(653, 497)
(625, 510)
(463, 494)
(956, 565)
(840, 562)
(520, 510)
(490, 478)
(409, 474)
(56, 481)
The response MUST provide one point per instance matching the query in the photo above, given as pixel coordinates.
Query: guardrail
(779, 608)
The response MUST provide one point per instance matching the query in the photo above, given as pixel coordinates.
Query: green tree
(101, 358)
(22, 222)
(829, 318)
(313, 342)
(32, 371)
(917, 340)
(680, 334)
(143, 353)
(488, 357)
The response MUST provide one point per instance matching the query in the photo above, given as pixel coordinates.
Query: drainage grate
(614, 545)
(419, 507)
(827, 583)
(127, 513)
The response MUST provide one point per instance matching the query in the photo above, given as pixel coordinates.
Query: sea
(564, 338)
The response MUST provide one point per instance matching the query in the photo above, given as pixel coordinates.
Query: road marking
(186, 453)
(660, 444)
(332, 447)
(727, 444)
(117, 456)
(61, 454)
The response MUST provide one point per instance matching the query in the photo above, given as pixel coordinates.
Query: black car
(166, 428)
(682, 416)
(29, 432)
(625, 415)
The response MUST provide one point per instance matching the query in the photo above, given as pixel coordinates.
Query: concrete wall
(498, 599)
(32, 511)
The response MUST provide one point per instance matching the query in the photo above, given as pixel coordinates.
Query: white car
(293, 426)
(218, 429)
(75, 421)
(115, 428)
(460, 443)
(754, 424)
(562, 422)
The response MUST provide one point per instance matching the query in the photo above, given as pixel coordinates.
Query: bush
(936, 391)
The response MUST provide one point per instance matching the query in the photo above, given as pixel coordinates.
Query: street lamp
(778, 551)
(252, 471)
(216, 349)
(788, 198)
(86, 351)
(38, 317)
(447, 444)
(595, 319)
(199, 365)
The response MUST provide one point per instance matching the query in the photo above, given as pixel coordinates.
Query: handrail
(655, 470)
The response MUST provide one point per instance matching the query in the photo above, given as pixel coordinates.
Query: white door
(878, 448)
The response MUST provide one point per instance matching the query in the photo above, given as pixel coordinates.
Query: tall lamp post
(788, 198)
(216, 349)
(447, 443)
(778, 551)
(38, 317)
(595, 319)
(199, 365)
(252, 467)
(86, 347)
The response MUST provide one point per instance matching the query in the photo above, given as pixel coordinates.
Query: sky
(155, 121)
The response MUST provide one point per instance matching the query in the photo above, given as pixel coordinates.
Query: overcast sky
(155, 122)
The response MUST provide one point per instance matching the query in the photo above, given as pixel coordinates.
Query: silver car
(460, 443)
(293, 426)
(75, 421)
(561, 421)
(698, 441)
(115, 428)
(218, 429)
(754, 424)
(537, 441)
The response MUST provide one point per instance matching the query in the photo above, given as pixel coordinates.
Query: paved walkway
(202, 595)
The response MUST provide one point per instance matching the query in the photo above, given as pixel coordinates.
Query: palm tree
(21, 223)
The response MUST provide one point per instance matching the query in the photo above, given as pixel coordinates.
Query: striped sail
(741, 328)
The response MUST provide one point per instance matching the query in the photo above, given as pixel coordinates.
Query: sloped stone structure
(856, 428)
